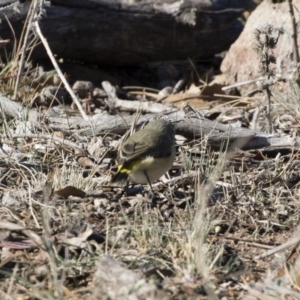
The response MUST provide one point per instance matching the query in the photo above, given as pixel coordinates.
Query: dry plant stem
(47, 192)
(288, 244)
(269, 94)
(267, 37)
(200, 219)
(294, 35)
(229, 87)
(60, 74)
(12, 279)
(32, 213)
(15, 49)
(200, 224)
(21, 62)
(140, 88)
(204, 196)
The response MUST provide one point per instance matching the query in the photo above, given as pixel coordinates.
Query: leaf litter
(66, 233)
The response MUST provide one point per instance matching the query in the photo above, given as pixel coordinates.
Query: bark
(123, 32)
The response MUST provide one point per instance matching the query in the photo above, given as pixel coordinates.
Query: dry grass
(200, 239)
(199, 242)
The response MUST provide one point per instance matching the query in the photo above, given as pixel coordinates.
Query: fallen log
(191, 127)
(123, 32)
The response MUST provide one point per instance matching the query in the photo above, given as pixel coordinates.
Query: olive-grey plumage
(147, 154)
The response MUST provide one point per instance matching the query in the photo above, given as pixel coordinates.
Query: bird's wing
(132, 150)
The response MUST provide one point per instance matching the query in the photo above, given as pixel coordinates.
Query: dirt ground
(222, 212)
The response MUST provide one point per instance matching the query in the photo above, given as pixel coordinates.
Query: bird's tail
(121, 176)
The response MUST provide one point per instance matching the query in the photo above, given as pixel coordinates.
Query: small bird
(147, 154)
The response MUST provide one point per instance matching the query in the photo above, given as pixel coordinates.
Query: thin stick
(229, 87)
(248, 242)
(59, 72)
(269, 95)
(47, 137)
(295, 34)
(282, 247)
(21, 62)
(12, 279)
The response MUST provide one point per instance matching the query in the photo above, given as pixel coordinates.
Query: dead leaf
(70, 191)
(79, 241)
(199, 97)
(59, 134)
(220, 79)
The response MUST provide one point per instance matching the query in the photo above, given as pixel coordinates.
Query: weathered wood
(190, 127)
(128, 32)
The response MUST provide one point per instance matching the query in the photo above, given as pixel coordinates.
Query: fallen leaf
(70, 191)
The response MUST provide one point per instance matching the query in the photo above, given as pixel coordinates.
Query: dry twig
(288, 244)
(60, 74)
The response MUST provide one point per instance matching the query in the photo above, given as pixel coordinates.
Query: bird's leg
(153, 196)
(126, 188)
